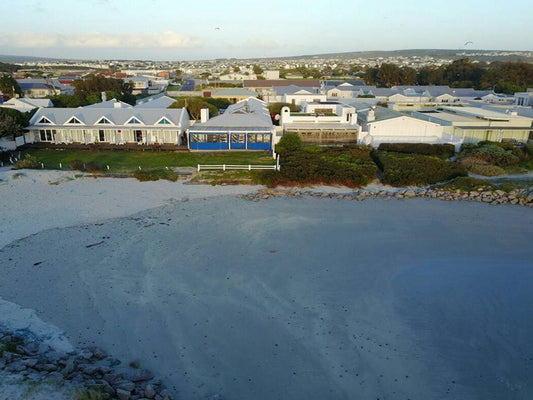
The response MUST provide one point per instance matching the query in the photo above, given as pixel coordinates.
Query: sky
(187, 30)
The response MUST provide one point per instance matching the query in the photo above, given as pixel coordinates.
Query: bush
(349, 166)
(486, 170)
(440, 150)
(77, 165)
(94, 167)
(492, 153)
(289, 142)
(155, 175)
(28, 161)
(415, 169)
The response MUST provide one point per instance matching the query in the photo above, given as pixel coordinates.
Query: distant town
(370, 98)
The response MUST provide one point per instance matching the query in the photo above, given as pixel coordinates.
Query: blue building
(245, 125)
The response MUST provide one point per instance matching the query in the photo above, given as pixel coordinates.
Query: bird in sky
(217, 28)
(469, 42)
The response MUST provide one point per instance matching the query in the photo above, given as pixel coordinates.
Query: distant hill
(20, 59)
(479, 55)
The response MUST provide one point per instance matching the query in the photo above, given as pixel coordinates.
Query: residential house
(473, 124)
(524, 98)
(297, 95)
(324, 122)
(233, 95)
(37, 88)
(112, 125)
(383, 125)
(245, 125)
(265, 88)
(24, 104)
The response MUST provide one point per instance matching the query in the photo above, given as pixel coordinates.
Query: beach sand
(293, 298)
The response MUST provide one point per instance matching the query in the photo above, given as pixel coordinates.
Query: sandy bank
(34, 200)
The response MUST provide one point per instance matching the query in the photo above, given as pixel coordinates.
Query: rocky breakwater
(86, 373)
(523, 197)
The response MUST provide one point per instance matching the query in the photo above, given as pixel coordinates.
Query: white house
(322, 122)
(473, 124)
(24, 104)
(298, 95)
(524, 98)
(382, 125)
(87, 125)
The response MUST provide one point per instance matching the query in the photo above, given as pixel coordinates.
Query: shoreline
(176, 272)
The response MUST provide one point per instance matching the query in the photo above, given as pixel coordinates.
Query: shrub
(349, 166)
(289, 142)
(78, 165)
(94, 167)
(491, 153)
(28, 161)
(155, 175)
(486, 170)
(440, 150)
(415, 169)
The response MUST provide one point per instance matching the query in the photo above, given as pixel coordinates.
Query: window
(138, 136)
(101, 135)
(44, 120)
(164, 121)
(133, 120)
(103, 121)
(237, 138)
(47, 135)
(74, 120)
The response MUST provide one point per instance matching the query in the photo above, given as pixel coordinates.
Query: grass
(121, 161)
(238, 177)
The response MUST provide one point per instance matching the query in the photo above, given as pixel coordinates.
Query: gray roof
(118, 116)
(247, 114)
(113, 103)
(234, 92)
(157, 101)
(292, 89)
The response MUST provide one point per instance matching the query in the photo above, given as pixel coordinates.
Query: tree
(388, 75)
(5, 67)
(9, 86)
(258, 70)
(407, 76)
(371, 76)
(194, 105)
(12, 122)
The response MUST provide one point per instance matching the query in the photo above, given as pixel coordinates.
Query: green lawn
(127, 161)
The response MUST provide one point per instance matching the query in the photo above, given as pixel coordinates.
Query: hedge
(415, 169)
(444, 151)
(350, 166)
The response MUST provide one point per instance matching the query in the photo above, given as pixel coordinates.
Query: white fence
(226, 167)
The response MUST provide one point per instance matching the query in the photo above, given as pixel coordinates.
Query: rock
(123, 394)
(30, 362)
(89, 369)
(113, 377)
(149, 392)
(125, 385)
(86, 354)
(10, 357)
(99, 353)
(410, 194)
(139, 375)
(16, 366)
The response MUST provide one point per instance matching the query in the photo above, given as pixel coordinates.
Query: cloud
(166, 39)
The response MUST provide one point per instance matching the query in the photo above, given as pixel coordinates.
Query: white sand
(34, 200)
(292, 299)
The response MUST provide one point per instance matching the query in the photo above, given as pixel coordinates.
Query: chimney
(117, 104)
(104, 96)
(371, 116)
(204, 115)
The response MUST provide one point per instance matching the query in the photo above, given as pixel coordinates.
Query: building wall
(141, 135)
